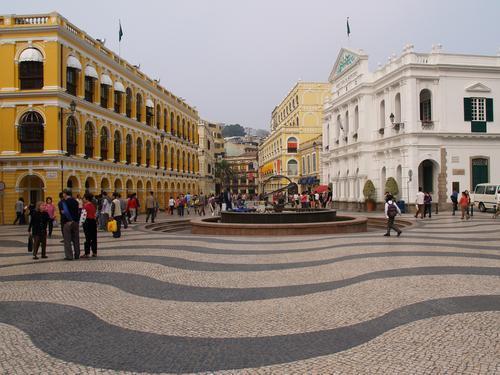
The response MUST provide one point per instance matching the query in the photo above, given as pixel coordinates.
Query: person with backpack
(391, 211)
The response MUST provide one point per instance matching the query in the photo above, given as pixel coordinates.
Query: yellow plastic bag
(112, 226)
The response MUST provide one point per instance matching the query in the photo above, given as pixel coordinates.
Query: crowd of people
(112, 213)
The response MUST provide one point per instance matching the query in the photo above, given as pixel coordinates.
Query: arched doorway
(428, 175)
(118, 185)
(129, 187)
(105, 185)
(90, 185)
(73, 185)
(31, 188)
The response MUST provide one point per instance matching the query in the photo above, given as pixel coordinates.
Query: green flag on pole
(120, 32)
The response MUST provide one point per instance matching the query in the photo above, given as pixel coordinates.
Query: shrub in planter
(369, 194)
(392, 187)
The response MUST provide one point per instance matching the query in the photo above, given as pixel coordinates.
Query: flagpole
(119, 42)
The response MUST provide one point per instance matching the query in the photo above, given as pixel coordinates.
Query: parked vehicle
(486, 196)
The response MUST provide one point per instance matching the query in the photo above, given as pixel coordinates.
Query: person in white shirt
(171, 205)
(116, 213)
(391, 211)
(420, 203)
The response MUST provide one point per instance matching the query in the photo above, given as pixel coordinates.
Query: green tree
(369, 190)
(223, 172)
(235, 130)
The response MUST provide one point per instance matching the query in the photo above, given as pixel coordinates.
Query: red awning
(322, 188)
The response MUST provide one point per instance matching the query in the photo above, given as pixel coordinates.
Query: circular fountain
(279, 220)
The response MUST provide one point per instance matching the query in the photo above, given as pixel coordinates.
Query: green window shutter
(478, 127)
(489, 109)
(467, 109)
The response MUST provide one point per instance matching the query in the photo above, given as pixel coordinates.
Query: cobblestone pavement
(425, 303)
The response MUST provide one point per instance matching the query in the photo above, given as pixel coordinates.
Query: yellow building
(310, 165)
(74, 114)
(295, 121)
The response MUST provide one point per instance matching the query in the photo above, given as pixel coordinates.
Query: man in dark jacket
(38, 227)
(70, 226)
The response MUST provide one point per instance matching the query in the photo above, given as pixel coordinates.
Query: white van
(486, 196)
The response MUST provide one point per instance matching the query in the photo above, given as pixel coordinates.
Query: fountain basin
(286, 217)
(341, 224)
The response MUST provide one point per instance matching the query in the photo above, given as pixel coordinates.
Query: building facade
(295, 121)
(75, 115)
(206, 155)
(244, 173)
(426, 119)
(310, 164)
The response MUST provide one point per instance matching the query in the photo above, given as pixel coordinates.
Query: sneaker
(387, 235)
(399, 233)
(35, 257)
(44, 256)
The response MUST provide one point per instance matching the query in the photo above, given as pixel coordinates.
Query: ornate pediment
(346, 60)
(477, 87)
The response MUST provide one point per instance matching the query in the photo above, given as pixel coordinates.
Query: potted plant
(391, 186)
(369, 194)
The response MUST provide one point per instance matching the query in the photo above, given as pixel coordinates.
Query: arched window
(158, 116)
(104, 143)
(128, 103)
(158, 155)
(73, 67)
(346, 126)
(31, 69)
(382, 115)
(356, 120)
(139, 151)
(165, 157)
(193, 165)
(297, 121)
(172, 159)
(397, 108)
(165, 119)
(184, 129)
(292, 168)
(138, 107)
(71, 128)
(183, 166)
(188, 163)
(148, 154)
(149, 112)
(425, 105)
(106, 83)
(118, 92)
(172, 131)
(178, 126)
(89, 140)
(117, 145)
(30, 132)
(178, 164)
(128, 149)
(292, 145)
(89, 83)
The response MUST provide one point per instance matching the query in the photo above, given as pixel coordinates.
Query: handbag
(112, 225)
(30, 243)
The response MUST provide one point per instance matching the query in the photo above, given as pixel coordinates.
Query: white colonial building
(427, 120)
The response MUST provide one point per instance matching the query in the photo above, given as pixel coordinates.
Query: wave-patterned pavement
(427, 302)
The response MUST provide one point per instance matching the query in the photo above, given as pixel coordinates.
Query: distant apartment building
(244, 173)
(207, 157)
(294, 122)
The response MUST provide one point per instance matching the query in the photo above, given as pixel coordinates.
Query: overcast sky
(235, 60)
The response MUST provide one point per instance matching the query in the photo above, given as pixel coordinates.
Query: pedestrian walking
(150, 207)
(51, 211)
(123, 206)
(497, 207)
(420, 203)
(171, 205)
(427, 204)
(105, 211)
(470, 206)
(202, 202)
(454, 201)
(188, 202)
(132, 206)
(464, 206)
(116, 213)
(19, 207)
(391, 211)
(71, 220)
(89, 226)
(38, 229)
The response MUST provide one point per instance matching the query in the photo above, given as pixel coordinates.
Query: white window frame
(478, 109)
